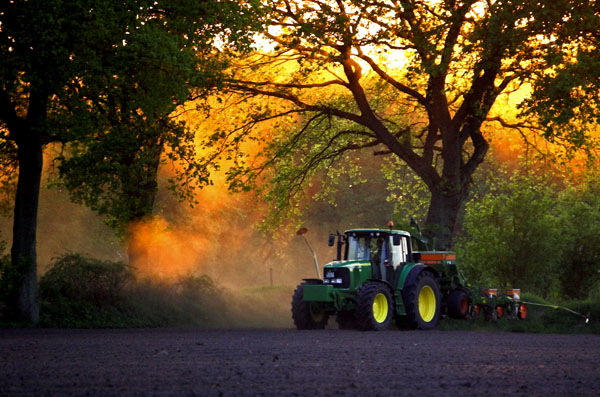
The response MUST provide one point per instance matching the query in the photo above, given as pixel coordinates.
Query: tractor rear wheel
(374, 307)
(346, 320)
(307, 315)
(458, 304)
(422, 303)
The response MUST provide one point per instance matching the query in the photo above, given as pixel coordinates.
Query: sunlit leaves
(422, 78)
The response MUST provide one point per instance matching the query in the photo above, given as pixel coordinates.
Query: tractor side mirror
(396, 239)
(331, 242)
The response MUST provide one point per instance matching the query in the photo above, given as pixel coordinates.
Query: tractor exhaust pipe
(301, 232)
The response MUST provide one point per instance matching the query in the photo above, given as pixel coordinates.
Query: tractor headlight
(339, 278)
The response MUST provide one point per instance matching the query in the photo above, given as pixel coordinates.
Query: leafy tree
(513, 237)
(579, 220)
(113, 166)
(413, 79)
(103, 76)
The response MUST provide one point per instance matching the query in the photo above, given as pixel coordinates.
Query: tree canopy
(103, 78)
(417, 80)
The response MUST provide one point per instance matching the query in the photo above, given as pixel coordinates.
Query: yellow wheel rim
(380, 308)
(427, 303)
(316, 314)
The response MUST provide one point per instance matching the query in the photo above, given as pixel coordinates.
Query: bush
(79, 291)
(84, 279)
(83, 292)
(512, 238)
(579, 214)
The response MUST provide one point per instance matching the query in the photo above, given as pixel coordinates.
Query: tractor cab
(385, 250)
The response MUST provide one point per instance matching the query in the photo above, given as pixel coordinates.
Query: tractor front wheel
(422, 303)
(373, 307)
(307, 315)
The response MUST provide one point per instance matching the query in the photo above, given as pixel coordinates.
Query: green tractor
(378, 278)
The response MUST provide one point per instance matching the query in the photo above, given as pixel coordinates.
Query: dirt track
(289, 362)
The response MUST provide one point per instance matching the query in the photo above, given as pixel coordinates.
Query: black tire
(346, 320)
(427, 317)
(459, 304)
(374, 307)
(307, 315)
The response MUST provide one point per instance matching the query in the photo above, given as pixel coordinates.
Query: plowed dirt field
(288, 362)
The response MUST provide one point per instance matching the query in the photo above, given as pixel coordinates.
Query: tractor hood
(346, 274)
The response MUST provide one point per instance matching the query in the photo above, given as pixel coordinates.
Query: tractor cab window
(399, 251)
(358, 248)
(368, 247)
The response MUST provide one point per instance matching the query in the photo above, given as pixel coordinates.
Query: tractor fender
(390, 287)
(409, 273)
(312, 281)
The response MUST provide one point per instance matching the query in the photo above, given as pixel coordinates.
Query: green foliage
(79, 291)
(88, 280)
(579, 218)
(513, 238)
(566, 94)
(103, 78)
(407, 192)
(75, 73)
(316, 157)
(528, 232)
(123, 128)
(415, 80)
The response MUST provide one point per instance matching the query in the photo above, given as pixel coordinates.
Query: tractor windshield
(358, 248)
(368, 247)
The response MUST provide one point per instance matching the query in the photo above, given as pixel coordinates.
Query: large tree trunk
(23, 252)
(442, 215)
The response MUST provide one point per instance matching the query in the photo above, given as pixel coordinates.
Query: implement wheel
(307, 315)
(373, 307)
(499, 312)
(522, 312)
(422, 303)
(458, 304)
